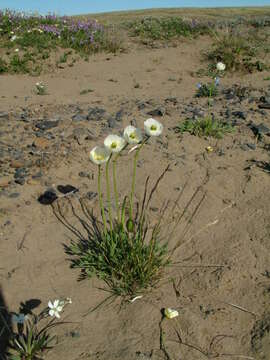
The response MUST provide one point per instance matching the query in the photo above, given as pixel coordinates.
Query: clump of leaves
(41, 89)
(204, 127)
(208, 90)
(86, 91)
(129, 262)
(164, 28)
(237, 52)
(3, 66)
(19, 64)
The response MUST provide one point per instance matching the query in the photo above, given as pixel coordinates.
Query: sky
(74, 7)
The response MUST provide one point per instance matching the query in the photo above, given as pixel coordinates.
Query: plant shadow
(8, 319)
(5, 326)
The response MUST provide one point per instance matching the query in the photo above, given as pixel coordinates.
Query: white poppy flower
(55, 308)
(152, 127)
(16, 50)
(132, 135)
(170, 313)
(68, 300)
(13, 38)
(114, 143)
(221, 66)
(99, 155)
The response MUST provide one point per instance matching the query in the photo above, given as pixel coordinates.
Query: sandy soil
(220, 284)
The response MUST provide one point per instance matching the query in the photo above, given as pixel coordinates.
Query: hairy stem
(100, 200)
(134, 179)
(109, 194)
(116, 196)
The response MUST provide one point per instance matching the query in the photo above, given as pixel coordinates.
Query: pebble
(14, 195)
(47, 124)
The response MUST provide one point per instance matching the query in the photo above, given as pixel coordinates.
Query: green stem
(109, 194)
(115, 189)
(134, 178)
(100, 199)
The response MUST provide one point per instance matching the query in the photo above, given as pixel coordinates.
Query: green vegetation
(240, 52)
(204, 127)
(128, 262)
(164, 28)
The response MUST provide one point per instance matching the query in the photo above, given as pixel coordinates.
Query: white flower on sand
(55, 308)
(99, 155)
(17, 50)
(114, 143)
(170, 313)
(13, 38)
(152, 127)
(132, 135)
(221, 66)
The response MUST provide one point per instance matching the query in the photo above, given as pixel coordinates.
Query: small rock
(157, 112)
(4, 115)
(47, 198)
(79, 117)
(65, 189)
(240, 114)
(20, 181)
(14, 195)
(112, 123)
(260, 129)
(119, 115)
(20, 172)
(90, 195)
(75, 334)
(96, 114)
(264, 106)
(47, 124)
(251, 146)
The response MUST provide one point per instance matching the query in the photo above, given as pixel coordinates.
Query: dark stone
(14, 195)
(96, 114)
(66, 189)
(79, 117)
(112, 123)
(141, 106)
(240, 114)
(20, 181)
(75, 334)
(20, 172)
(251, 146)
(47, 124)
(85, 174)
(260, 129)
(90, 195)
(157, 112)
(4, 115)
(47, 198)
(172, 100)
(119, 115)
(264, 106)
(37, 175)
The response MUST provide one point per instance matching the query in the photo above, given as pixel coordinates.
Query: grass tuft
(204, 127)
(127, 262)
